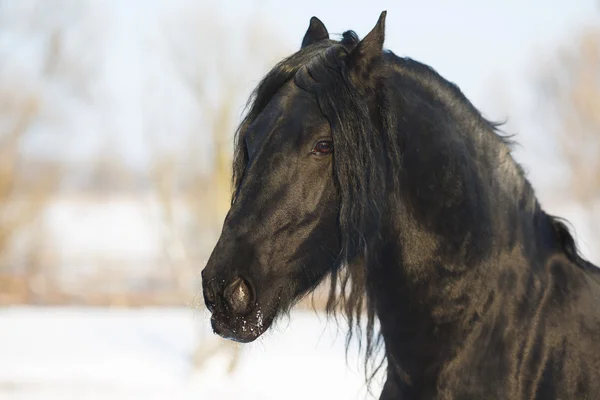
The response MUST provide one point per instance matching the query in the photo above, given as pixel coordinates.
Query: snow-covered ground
(87, 353)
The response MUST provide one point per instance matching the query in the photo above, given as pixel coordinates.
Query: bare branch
(569, 89)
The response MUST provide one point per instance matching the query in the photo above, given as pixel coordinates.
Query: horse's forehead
(299, 107)
(291, 112)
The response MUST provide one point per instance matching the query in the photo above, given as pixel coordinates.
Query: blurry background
(116, 124)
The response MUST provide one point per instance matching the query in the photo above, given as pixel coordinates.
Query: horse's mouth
(243, 329)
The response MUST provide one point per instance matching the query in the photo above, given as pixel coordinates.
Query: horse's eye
(323, 147)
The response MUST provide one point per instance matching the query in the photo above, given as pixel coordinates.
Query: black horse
(372, 169)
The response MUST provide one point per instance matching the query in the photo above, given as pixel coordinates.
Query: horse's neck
(463, 208)
(428, 297)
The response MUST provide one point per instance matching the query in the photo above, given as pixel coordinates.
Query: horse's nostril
(210, 297)
(238, 296)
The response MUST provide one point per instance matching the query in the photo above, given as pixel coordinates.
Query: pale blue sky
(467, 41)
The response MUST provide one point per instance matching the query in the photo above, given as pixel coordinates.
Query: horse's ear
(315, 33)
(361, 58)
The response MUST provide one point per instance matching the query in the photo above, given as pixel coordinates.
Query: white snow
(87, 353)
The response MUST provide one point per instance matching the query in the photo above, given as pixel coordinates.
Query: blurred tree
(569, 97)
(11, 221)
(27, 179)
(23, 196)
